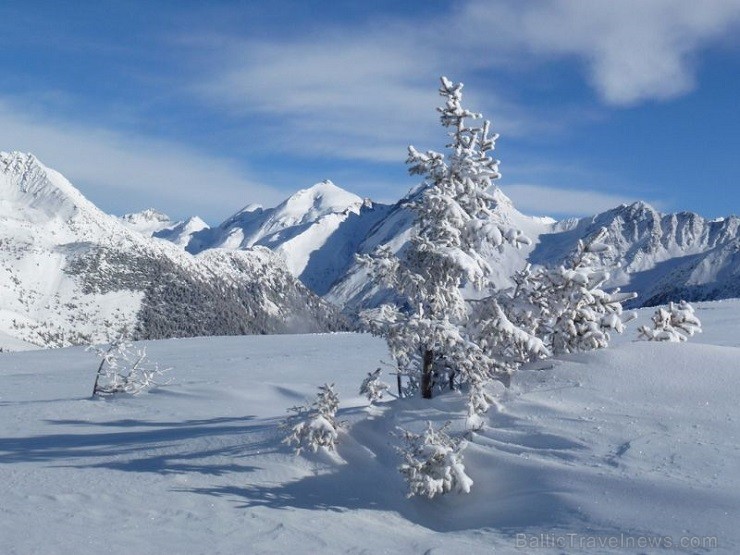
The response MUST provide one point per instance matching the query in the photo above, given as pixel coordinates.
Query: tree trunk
(426, 374)
(97, 377)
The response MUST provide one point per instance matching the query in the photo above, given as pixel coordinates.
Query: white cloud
(635, 50)
(125, 172)
(553, 201)
(338, 96)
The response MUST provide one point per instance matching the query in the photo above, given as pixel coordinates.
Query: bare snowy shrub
(373, 387)
(675, 324)
(125, 369)
(315, 425)
(433, 462)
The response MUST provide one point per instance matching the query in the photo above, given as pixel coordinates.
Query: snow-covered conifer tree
(427, 334)
(433, 463)
(509, 339)
(675, 324)
(582, 313)
(315, 425)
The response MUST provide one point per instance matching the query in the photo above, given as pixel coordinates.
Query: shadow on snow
(510, 495)
(147, 447)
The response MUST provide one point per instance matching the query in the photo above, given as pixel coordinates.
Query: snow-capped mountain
(316, 230)
(72, 274)
(662, 257)
(152, 223)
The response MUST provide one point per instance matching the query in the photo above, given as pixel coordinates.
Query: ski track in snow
(639, 440)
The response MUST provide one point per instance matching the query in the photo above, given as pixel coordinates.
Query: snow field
(635, 441)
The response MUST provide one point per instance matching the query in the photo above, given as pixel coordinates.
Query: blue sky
(201, 108)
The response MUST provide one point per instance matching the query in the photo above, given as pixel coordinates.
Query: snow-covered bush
(315, 425)
(373, 387)
(125, 369)
(433, 463)
(427, 332)
(675, 324)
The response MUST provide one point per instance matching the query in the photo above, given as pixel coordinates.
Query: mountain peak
(147, 221)
(328, 192)
(637, 207)
(316, 201)
(29, 190)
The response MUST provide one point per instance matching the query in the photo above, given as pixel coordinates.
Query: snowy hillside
(72, 274)
(629, 449)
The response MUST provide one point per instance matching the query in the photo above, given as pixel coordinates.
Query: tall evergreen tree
(427, 333)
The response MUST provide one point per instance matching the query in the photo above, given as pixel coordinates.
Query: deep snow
(630, 444)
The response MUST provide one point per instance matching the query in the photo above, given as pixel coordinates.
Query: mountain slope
(662, 257)
(72, 274)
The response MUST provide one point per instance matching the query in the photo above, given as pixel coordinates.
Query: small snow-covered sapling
(314, 426)
(373, 387)
(433, 463)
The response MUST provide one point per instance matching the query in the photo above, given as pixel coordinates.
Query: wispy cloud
(134, 172)
(340, 96)
(554, 201)
(363, 92)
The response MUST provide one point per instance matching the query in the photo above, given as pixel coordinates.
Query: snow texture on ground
(636, 443)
